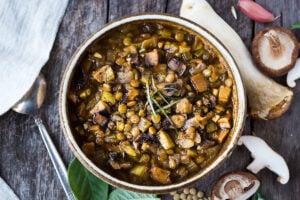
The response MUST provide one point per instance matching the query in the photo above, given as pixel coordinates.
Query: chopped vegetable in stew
(151, 103)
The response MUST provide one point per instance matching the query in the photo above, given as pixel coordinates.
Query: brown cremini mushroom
(275, 50)
(235, 186)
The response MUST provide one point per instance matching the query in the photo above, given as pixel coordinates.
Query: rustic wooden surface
(24, 162)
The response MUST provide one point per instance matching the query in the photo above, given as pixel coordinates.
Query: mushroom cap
(235, 186)
(275, 50)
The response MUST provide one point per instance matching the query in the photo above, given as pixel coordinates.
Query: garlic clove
(255, 11)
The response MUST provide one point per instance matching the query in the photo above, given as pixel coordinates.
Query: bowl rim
(71, 68)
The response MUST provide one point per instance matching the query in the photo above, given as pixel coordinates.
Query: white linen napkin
(27, 32)
(5, 192)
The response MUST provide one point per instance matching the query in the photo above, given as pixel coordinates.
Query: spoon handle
(57, 162)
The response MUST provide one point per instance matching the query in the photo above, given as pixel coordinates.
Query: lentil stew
(151, 100)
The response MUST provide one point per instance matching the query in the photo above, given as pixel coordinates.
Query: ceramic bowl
(238, 98)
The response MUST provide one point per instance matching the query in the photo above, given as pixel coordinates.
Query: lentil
(146, 89)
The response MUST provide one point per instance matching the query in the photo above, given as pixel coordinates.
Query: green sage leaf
(296, 25)
(84, 184)
(119, 194)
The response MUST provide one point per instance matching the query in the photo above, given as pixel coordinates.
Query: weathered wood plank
(24, 162)
(120, 8)
(282, 134)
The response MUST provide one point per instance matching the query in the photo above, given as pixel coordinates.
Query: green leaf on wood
(119, 194)
(84, 184)
(296, 25)
(258, 195)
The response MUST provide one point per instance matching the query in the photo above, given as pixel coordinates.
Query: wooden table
(24, 162)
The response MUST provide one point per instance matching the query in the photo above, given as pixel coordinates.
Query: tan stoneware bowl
(238, 99)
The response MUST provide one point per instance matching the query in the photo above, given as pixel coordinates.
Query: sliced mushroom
(294, 74)
(176, 65)
(103, 74)
(100, 119)
(118, 165)
(235, 186)
(172, 89)
(125, 77)
(135, 60)
(275, 50)
(152, 58)
(168, 89)
(265, 156)
(192, 122)
(100, 107)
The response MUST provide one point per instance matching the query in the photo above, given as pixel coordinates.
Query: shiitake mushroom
(275, 50)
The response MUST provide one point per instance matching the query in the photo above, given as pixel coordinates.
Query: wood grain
(282, 134)
(24, 162)
(120, 8)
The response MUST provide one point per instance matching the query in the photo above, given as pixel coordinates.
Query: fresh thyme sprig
(157, 91)
(163, 112)
(167, 106)
(149, 98)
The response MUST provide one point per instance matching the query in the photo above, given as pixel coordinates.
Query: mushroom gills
(235, 186)
(275, 50)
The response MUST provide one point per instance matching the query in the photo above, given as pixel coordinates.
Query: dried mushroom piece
(293, 75)
(265, 156)
(275, 50)
(235, 186)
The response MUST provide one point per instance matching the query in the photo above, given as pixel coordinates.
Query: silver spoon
(29, 105)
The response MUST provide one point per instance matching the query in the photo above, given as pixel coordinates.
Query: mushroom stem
(265, 156)
(267, 98)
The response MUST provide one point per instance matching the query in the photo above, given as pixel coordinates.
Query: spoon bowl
(29, 105)
(34, 98)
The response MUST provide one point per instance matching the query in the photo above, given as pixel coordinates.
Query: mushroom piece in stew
(151, 103)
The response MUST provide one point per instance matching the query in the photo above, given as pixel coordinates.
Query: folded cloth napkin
(5, 191)
(27, 32)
